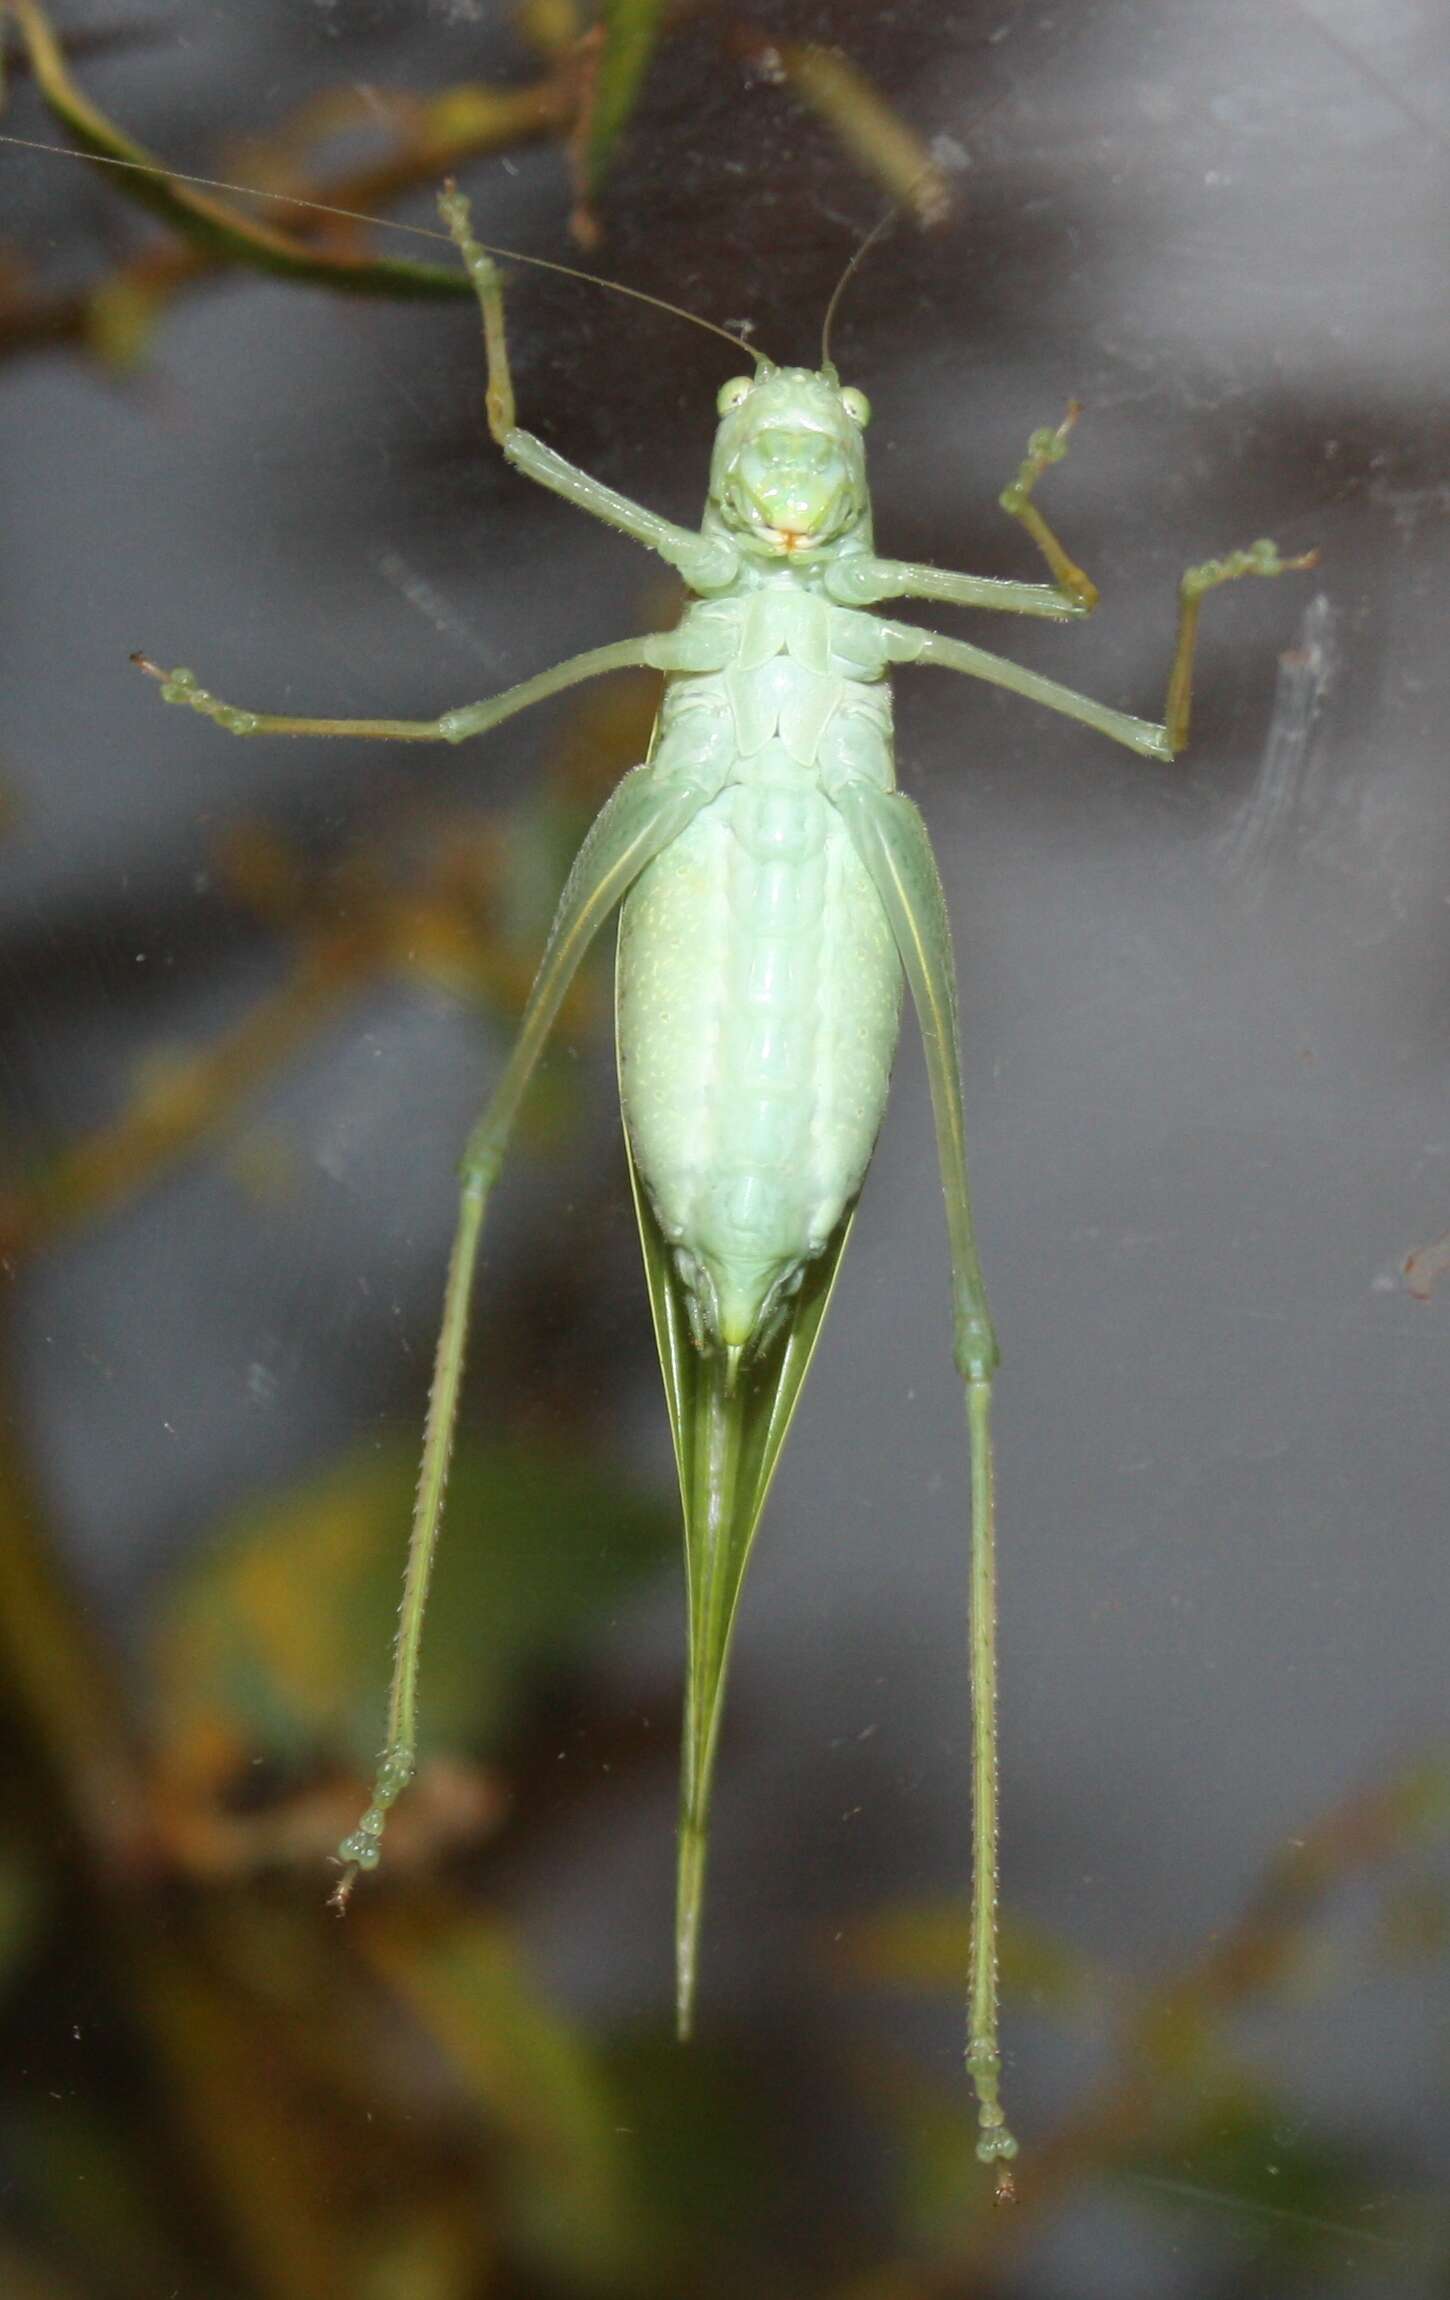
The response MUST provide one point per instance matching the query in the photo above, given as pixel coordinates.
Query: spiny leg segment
(891, 839)
(643, 817)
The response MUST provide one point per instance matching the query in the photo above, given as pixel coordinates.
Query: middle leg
(1151, 738)
(659, 650)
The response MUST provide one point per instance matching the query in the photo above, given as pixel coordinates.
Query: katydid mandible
(774, 889)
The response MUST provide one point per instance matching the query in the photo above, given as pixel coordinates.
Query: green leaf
(279, 1640)
(710, 2162)
(529, 2075)
(77, 2171)
(631, 31)
(1248, 2161)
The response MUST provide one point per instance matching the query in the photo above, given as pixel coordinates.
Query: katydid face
(789, 469)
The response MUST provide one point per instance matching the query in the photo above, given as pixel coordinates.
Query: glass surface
(255, 991)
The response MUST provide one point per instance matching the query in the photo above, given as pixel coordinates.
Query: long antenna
(858, 258)
(389, 224)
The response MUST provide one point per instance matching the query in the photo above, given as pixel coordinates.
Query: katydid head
(788, 475)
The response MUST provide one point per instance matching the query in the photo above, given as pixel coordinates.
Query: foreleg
(705, 566)
(861, 580)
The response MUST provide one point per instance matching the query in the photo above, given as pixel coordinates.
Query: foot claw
(1046, 446)
(182, 687)
(1261, 558)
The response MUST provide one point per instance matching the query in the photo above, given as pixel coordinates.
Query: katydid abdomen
(759, 999)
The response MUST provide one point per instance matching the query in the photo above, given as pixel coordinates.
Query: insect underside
(774, 889)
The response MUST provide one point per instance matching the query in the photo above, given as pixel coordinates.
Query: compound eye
(857, 406)
(732, 393)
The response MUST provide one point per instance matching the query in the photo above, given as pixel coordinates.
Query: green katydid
(774, 889)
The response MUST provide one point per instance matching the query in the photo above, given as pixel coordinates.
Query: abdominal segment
(758, 1000)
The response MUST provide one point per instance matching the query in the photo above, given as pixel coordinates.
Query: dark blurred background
(253, 994)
